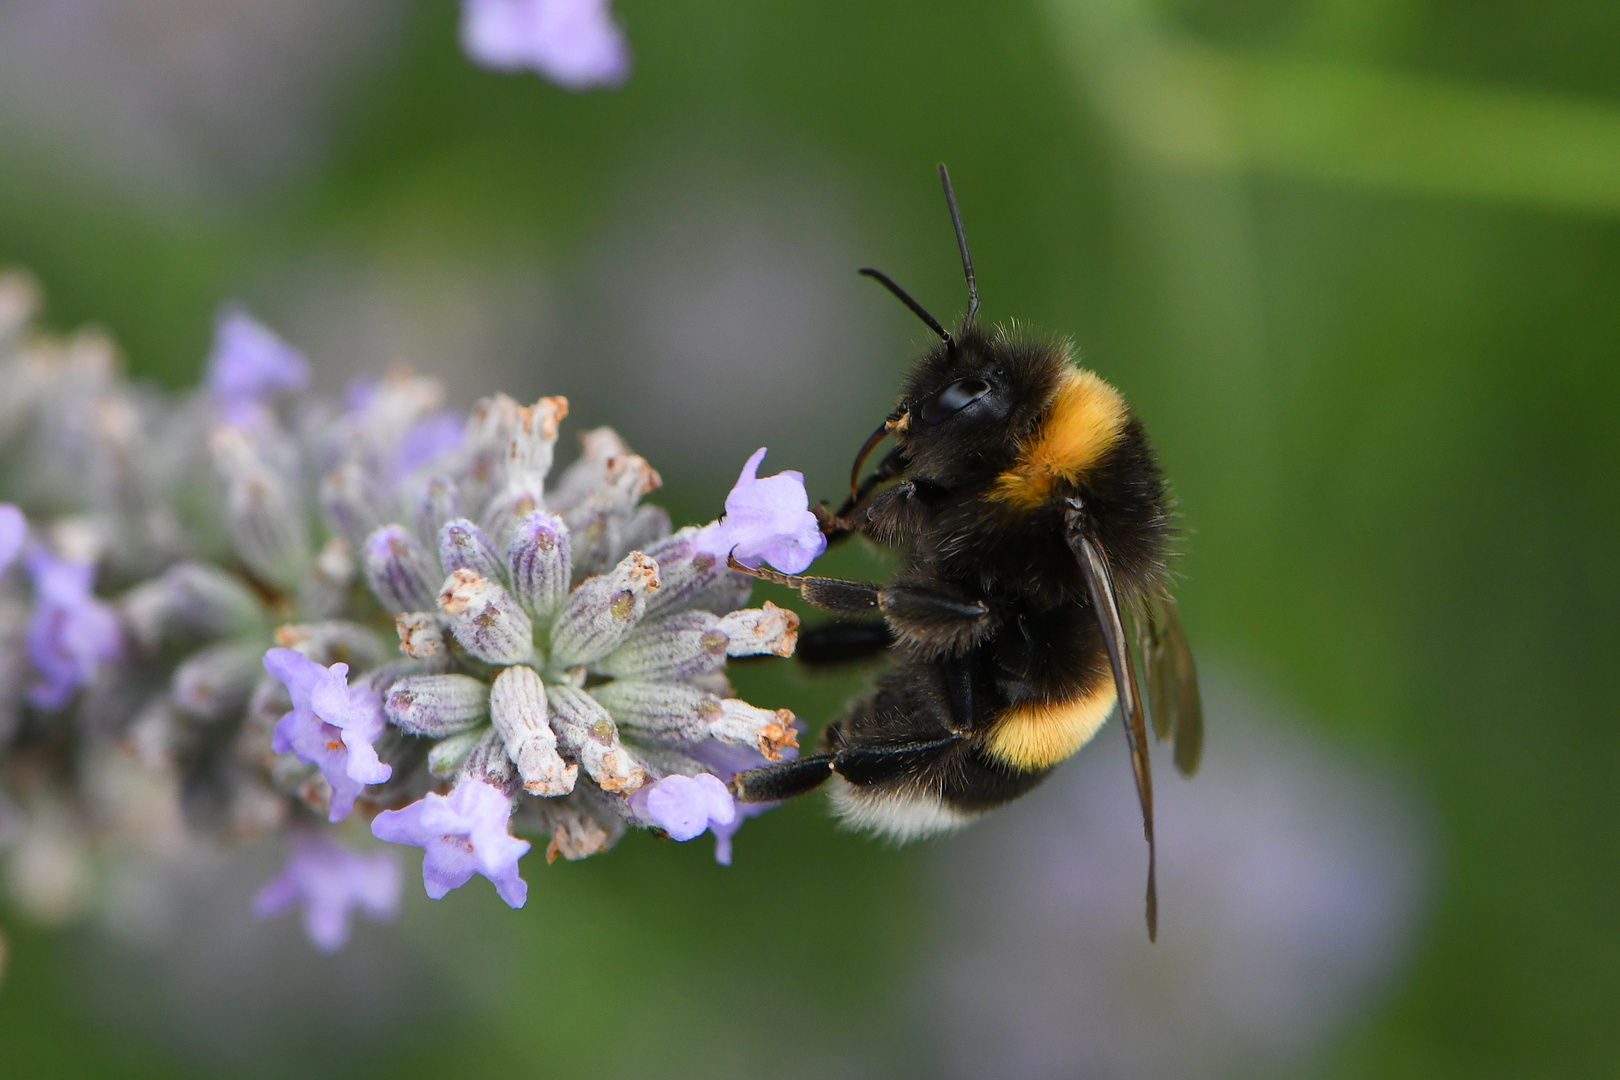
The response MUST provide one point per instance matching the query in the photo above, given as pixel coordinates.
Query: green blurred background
(1355, 262)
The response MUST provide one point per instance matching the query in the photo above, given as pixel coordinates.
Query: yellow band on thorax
(1085, 419)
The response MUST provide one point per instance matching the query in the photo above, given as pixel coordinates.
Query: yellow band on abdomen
(1038, 735)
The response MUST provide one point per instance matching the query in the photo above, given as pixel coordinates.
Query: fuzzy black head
(967, 405)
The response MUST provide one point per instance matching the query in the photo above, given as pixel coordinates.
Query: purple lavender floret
(426, 441)
(13, 531)
(250, 365)
(726, 760)
(330, 881)
(460, 834)
(574, 43)
(687, 806)
(332, 726)
(71, 633)
(768, 520)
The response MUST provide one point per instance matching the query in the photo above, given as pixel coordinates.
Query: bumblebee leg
(875, 764)
(831, 594)
(841, 642)
(772, 783)
(858, 765)
(936, 619)
(959, 692)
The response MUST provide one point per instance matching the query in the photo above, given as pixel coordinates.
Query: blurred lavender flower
(249, 365)
(329, 881)
(461, 835)
(559, 648)
(768, 520)
(13, 531)
(71, 634)
(332, 725)
(574, 43)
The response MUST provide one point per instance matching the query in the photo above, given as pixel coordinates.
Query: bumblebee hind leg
(841, 642)
(773, 783)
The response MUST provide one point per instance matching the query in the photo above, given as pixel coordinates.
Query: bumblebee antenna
(916, 309)
(961, 243)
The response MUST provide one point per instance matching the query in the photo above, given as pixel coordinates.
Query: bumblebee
(1034, 523)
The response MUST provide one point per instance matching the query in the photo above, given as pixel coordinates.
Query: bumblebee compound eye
(952, 400)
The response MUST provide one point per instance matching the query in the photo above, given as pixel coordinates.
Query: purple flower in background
(13, 531)
(332, 725)
(574, 43)
(460, 834)
(330, 881)
(426, 441)
(250, 365)
(71, 633)
(767, 519)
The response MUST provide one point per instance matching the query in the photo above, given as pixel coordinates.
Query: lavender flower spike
(72, 634)
(250, 364)
(574, 43)
(686, 806)
(461, 834)
(330, 881)
(13, 531)
(332, 725)
(767, 519)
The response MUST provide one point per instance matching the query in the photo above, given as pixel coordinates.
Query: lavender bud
(603, 611)
(192, 598)
(683, 571)
(538, 561)
(533, 442)
(463, 545)
(437, 705)
(599, 522)
(680, 647)
(727, 592)
(648, 525)
(216, 682)
(487, 763)
(447, 757)
(262, 513)
(597, 447)
(326, 589)
(585, 730)
(485, 619)
(489, 432)
(440, 502)
(421, 635)
(761, 630)
(517, 705)
(381, 678)
(401, 575)
(576, 833)
(741, 724)
(348, 506)
(334, 642)
(666, 710)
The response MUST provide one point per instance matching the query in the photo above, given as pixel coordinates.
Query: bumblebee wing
(1172, 682)
(1100, 587)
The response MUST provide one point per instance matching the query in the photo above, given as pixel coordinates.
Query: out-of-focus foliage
(1356, 265)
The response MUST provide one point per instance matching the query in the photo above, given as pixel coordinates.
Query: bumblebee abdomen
(1035, 735)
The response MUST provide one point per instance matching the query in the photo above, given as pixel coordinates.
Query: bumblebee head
(970, 401)
(967, 407)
